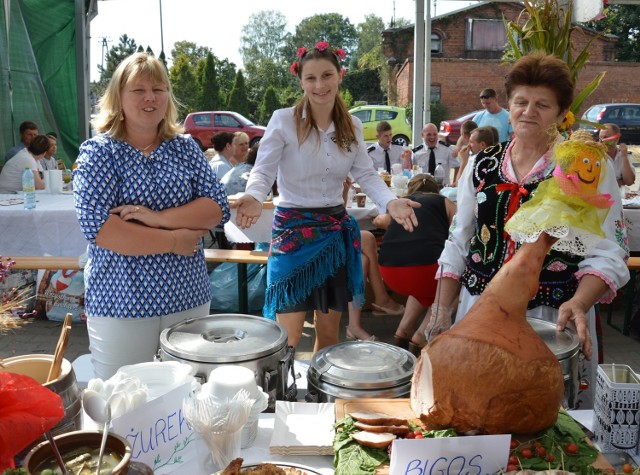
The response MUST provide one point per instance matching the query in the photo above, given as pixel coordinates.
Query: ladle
(100, 411)
(56, 453)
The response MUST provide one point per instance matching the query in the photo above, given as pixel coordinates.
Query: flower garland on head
(320, 46)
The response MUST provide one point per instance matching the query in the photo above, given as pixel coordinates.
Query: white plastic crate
(616, 415)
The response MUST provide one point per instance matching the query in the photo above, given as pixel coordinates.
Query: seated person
(384, 153)
(235, 180)
(408, 261)
(11, 174)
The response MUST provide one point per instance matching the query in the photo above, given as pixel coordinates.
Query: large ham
(491, 372)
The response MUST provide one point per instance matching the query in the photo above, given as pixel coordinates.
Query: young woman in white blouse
(314, 262)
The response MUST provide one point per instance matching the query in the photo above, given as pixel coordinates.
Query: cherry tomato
(571, 448)
(550, 458)
(513, 460)
(512, 468)
(419, 436)
(410, 435)
(418, 432)
(541, 451)
(527, 453)
(627, 468)
(514, 444)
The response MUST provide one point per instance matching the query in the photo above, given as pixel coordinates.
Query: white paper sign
(477, 455)
(160, 436)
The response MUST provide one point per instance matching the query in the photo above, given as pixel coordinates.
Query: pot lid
(563, 344)
(224, 338)
(362, 365)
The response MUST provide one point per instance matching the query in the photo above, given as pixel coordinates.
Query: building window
(436, 43)
(485, 35)
(435, 93)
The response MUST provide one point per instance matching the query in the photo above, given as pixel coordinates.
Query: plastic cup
(361, 199)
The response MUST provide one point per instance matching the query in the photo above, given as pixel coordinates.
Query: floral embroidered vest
(497, 198)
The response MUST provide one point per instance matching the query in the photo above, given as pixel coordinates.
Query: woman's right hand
(249, 210)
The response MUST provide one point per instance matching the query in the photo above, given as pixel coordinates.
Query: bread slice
(377, 419)
(398, 430)
(374, 440)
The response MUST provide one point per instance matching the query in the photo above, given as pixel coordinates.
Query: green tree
(263, 37)
(347, 98)
(624, 22)
(268, 105)
(126, 47)
(209, 87)
(185, 86)
(333, 28)
(369, 37)
(190, 50)
(238, 100)
(262, 43)
(226, 76)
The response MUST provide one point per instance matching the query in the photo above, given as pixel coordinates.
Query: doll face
(587, 167)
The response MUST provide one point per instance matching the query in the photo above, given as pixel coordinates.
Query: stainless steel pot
(256, 343)
(566, 346)
(359, 369)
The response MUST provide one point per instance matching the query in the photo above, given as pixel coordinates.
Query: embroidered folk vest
(496, 200)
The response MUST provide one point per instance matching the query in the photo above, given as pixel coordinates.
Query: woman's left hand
(138, 213)
(573, 312)
(402, 211)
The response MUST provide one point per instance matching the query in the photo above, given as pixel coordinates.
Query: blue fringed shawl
(306, 248)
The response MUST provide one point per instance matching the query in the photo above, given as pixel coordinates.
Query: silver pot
(566, 346)
(256, 343)
(359, 369)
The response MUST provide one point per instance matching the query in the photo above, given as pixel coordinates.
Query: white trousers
(116, 342)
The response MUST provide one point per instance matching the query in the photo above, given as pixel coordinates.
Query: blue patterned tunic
(111, 173)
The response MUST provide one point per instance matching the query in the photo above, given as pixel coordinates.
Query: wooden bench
(242, 258)
(236, 256)
(634, 266)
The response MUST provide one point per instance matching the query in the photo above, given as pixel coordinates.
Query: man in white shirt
(493, 114)
(433, 153)
(383, 153)
(479, 139)
(619, 155)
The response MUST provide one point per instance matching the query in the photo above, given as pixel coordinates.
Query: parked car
(204, 125)
(396, 116)
(450, 129)
(625, 116)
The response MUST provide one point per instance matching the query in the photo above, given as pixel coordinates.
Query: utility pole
(105, 50)
(161, 32)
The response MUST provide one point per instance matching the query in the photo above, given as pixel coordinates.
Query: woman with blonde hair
(314, 261)
(144, 195)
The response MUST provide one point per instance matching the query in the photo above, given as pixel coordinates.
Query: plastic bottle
(406, 159)
(28, 188)
(438, 174)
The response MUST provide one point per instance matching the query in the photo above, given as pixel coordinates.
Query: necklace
(144, 150)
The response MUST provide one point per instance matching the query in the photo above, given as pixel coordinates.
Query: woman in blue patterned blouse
(144, 196)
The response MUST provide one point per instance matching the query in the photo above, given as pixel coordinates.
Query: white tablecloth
(261, 231)
(49, 229)
(632, 221)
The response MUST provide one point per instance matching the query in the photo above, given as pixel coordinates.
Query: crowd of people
(142, 178)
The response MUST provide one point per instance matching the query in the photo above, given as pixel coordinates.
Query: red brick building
(467, 47)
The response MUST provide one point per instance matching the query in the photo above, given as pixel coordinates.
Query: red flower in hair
(301, 52)
(295, 68)
(322, 45)
(339, 53)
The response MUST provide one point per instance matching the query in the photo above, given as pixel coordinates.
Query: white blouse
(311, 174)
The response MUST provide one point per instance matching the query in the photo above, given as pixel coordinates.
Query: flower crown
(320, 46)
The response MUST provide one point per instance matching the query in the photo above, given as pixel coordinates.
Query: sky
(218, 23)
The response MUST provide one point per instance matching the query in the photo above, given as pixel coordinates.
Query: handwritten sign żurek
(160, 436)
(473, 455)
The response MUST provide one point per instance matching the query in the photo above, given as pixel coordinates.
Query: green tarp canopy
(38, 72)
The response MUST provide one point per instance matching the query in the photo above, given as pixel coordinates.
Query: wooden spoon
(61, 348)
